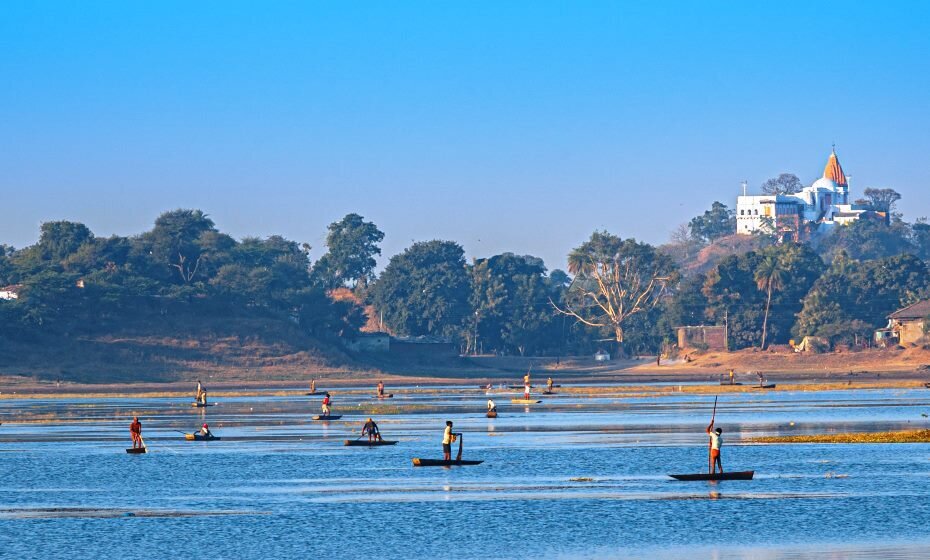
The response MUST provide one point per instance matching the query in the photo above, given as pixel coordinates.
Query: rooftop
(918, 310)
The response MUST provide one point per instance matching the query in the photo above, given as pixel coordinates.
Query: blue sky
(505, 126)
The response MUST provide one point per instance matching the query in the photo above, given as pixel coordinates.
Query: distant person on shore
(380, 388)
(549, 384)
(492, 407)
(135, 431)
(715, 460)
(327, 403)
(205, 431)
(447, 438)
(371, 430)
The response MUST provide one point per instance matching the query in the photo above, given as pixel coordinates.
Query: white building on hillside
(824, 203)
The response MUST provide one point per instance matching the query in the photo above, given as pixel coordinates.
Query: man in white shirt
(715, 442)
(491, 406)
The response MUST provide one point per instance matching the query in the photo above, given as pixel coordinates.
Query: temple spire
(833, 170)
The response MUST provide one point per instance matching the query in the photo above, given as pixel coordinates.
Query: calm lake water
(575, 477)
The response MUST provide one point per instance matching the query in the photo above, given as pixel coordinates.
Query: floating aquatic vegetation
(902, 436)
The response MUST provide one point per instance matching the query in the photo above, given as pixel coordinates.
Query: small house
(703, 337)
(601, 356)
(11, 292)
(910, 323)
(368, 342)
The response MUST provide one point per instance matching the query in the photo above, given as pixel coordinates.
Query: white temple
(825, 203)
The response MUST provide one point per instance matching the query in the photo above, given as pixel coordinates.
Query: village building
(702, 337)
(824, 204)
(907, 325)
(9, 293)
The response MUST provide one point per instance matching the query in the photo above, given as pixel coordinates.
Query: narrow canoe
(492, 414)
(199, 437)
(548, 392)
(386, 396)
(764, 386)
(742, 475)
(201, 405)
(728, 383)
(330, 417)
(521, 386)
(417, 462)
(366, 443)
(135, 450)
(524, 401)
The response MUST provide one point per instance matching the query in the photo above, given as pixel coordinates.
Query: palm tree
(769, 277)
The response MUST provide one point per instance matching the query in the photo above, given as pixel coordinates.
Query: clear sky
(503, 125)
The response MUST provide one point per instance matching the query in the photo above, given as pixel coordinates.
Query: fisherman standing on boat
(327, 403)
(447, 438)
(371, 430)
(714, 448)
(135, 430)
(380, 389)
(313, 386)
(200, 392)
(731, 377)
(526, 386)
(549, 384)
(492, 407)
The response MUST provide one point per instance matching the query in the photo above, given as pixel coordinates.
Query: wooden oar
(710, 460)
(459, 456)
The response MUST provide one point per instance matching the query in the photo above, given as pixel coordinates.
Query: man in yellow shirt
(447, 438)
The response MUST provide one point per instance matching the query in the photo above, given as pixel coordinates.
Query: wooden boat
(524, 401)
(366, 443)
(135, 450)
(728, 383)
(521, 386)
(201, 405)
(492, 414)
(457, 462)
(764, 386)
(200, 437)
(417, 462)
(741, 475)
(386, 396)
(548, 392)
(330, 417)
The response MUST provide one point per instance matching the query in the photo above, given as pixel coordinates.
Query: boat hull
(736, 475)
(135, 450)
(387, 396)
(201, 405)
(524, 401)
(417, 462)
(330, 417)
(366, 443)
(492, 415)
(198, 437)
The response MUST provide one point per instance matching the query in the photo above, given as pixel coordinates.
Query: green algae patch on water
(902, 436)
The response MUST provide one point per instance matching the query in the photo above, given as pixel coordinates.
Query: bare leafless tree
(614, 279)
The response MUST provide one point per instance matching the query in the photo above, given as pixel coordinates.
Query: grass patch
(904, 436)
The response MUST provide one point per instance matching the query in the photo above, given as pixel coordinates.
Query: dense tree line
(618, 294)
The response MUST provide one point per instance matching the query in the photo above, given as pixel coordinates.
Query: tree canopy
(425, 290)
(785, 183)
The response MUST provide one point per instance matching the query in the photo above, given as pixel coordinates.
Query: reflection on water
(576, 477)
